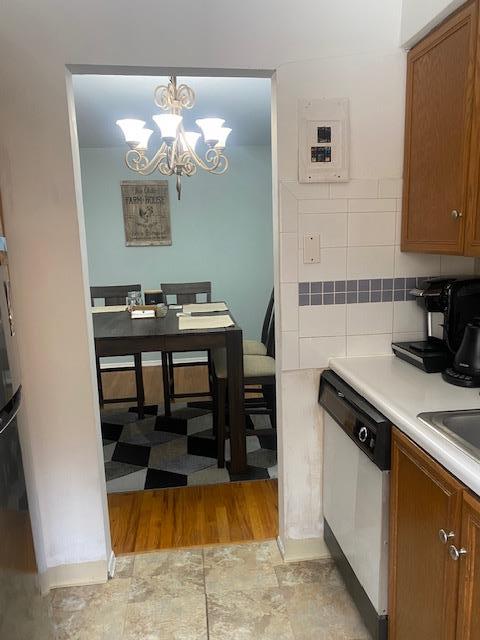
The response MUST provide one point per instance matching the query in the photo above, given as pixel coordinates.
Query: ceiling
(244, 103)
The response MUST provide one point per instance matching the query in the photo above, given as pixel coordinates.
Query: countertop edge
(453, 458)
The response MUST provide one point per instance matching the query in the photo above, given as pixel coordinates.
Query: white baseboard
(154, 363)
(72, 575)
(307, 549)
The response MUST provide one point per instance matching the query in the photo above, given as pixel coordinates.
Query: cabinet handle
(455, 553)
(444, 536)
(456, 214)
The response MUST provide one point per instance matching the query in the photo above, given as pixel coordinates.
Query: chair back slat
(187, 292)
(268, 318)
(270, 343)
(113, 294)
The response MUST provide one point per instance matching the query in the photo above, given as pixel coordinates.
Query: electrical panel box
(323, 140)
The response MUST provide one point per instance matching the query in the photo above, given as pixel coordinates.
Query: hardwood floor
(193, 516)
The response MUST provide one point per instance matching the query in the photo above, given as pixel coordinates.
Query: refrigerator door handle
(10, 410)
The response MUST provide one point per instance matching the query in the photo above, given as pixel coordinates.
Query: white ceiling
(244, 103)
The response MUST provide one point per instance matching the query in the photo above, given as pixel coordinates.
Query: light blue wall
(221, 231)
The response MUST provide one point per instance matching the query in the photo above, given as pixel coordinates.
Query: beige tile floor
(238, 592)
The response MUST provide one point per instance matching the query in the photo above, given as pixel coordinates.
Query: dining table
(116, 333)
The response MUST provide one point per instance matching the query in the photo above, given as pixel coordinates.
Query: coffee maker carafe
(465, 371)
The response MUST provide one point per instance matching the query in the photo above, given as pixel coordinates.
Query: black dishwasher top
(367, 427)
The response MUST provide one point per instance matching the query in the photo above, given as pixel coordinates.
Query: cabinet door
(469, 597)
(423, 580)
(472, 231)
(440, 78)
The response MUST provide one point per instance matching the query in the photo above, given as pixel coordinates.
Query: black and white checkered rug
(159, 452)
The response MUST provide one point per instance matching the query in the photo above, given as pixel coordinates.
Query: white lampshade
(224, 133)
(143, 143)
(211, 128)
(131, 129)
(192, 138)
(168, 124)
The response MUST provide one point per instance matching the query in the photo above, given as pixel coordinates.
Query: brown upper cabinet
(441, 208)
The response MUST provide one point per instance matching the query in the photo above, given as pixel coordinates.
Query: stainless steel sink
(462, 428)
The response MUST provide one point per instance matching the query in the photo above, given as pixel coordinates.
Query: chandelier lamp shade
(177, 154)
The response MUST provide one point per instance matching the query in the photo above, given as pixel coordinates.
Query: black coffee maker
(450, 304)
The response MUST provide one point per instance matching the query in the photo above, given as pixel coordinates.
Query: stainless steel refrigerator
(24, 613)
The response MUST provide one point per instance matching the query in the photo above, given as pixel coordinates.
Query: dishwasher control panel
(366, 426)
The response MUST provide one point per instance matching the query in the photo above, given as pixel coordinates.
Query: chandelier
(176, 154)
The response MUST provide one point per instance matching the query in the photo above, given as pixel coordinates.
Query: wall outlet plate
(311, 248)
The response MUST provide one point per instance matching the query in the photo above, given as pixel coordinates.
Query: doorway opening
(168, 415)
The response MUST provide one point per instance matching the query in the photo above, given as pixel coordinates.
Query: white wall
(46, 243)
(420, 16)
(220, 220)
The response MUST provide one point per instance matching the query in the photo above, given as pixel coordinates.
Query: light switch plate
(311, 248)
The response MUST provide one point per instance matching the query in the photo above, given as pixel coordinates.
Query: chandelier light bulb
(145, 137)
(224, 133)
(192, 138)
(211, 128)
(131, 129)
(168, 124)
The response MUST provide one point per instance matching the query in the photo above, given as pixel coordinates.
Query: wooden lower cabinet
(434, 592)
(469, 585)
(424, 499)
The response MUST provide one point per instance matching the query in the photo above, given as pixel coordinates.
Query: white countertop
(401, 391)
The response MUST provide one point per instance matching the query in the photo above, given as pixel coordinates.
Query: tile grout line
(205, 594)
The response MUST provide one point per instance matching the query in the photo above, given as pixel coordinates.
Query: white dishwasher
(356, 466)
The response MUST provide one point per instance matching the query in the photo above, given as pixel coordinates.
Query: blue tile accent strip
(357, 291)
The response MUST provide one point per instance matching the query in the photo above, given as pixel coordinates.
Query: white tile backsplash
(289, 306)
(290, 351)
(312, 191)
(323, 206)
(315, 353)
(371, 318)
(354, 189)
(408, 317)
(456, 265)
(390, 188)
(332, 265)
(361, 244)
(369, 345)
(410, 336)
(398, 227)
(373, 205)
(416, 264)
(288, 257)
(368, 229)
(332, 228)
(370, 262)
(326, 320)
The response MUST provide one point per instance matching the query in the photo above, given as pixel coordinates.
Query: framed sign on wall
(146, 213)
(323, 140)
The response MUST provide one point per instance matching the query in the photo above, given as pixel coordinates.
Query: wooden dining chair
(254, 347)
(258, 371)
(117, 295)
(182, 293)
